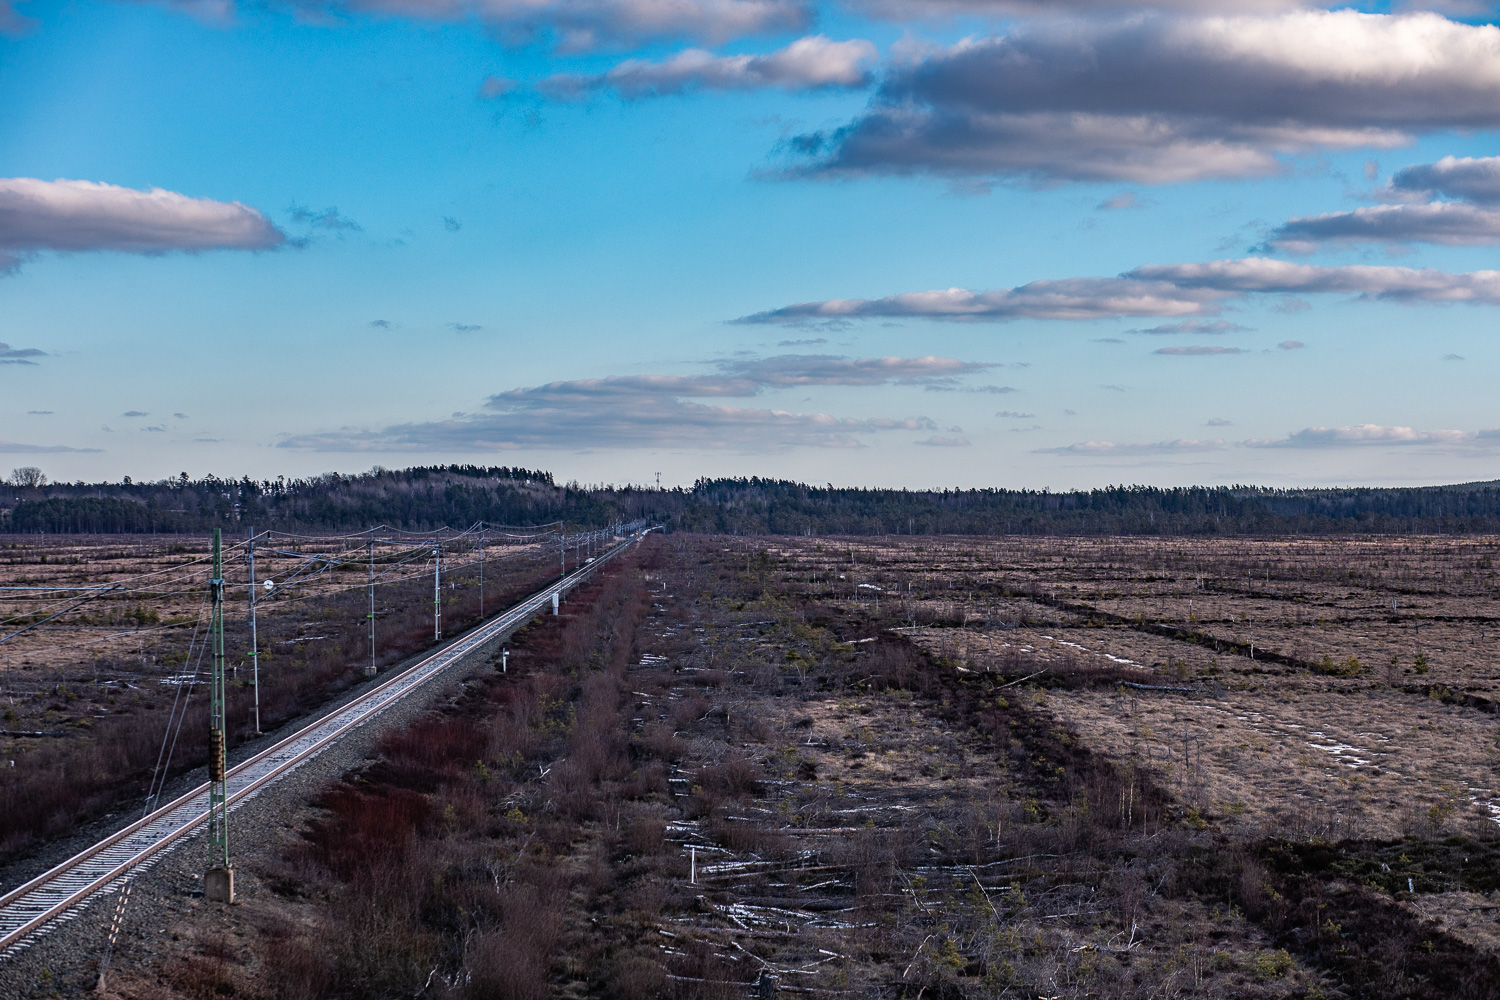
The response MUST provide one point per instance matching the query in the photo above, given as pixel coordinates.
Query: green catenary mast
(218, 881)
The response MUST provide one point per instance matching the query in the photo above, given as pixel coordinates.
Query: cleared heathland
(918, 767)
(86, 696)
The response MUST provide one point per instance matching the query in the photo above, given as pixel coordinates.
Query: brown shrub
(645, 834)
(301, 970)
(746, 836)
(513, 961)
(690, 710)
(736, 778)
(659, 740)
(637, 975)
(366, 829)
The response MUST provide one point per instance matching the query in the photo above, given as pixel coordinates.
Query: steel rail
(32, 906)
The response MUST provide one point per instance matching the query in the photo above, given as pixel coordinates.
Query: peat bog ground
(912, 767)
(88, 684)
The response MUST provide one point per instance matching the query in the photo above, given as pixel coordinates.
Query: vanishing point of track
(62, 892)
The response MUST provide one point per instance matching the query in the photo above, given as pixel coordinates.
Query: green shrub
(1273, 964)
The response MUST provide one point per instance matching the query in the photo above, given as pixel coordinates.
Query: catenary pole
(218, 882)
(437, 588)
(254, 643)
(371, 671)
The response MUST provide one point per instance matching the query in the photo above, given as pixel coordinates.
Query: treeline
(761, 506)
(427, 497)
(420, 498)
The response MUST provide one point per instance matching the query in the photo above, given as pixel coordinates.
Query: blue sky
(614, 259)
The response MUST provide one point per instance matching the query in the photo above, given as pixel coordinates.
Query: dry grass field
(1306, 698)
(915, 767)
(100, 634)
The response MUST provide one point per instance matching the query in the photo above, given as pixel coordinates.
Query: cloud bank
(661, 411)
(1473, 220)
(589, 24)
(75, 216)
(1373, 434)
(1197, 326)
(1453, 223)
(910, 10)
(1158, 290)
(812, 63)
(1312, 438)
(1470, 178)
(1067, 298)
(1142, 448)
(16, 448)
(19, 355)
(1158, 99)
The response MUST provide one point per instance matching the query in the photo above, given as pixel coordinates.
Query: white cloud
(216, 12)
(15, 448)
(1263, 274)
(945, 441)
(1156, 290)
(12, 21)
(588, 24)
(1370, 434)
(1472, 179)
(1068, 298)
(83, 215)
(661, 411)
(1291, 345)
(1453, 223)
(813, 63)
(1473, 220)
(492, 87)
(1120, 202)
(827, 369)
(1195, 327)
(547, 417)
(909, 10)
(1158, 99)
(19, 355)
(1144, 448)
(1196, 351)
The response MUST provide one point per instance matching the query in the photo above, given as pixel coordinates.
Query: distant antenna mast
(218, 881)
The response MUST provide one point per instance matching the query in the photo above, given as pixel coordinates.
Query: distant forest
(428, 497)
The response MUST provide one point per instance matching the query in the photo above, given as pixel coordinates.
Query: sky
(900, 243)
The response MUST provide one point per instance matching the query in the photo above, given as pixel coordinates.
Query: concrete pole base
(218, 885)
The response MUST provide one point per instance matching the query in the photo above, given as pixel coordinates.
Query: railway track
(62, 892)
